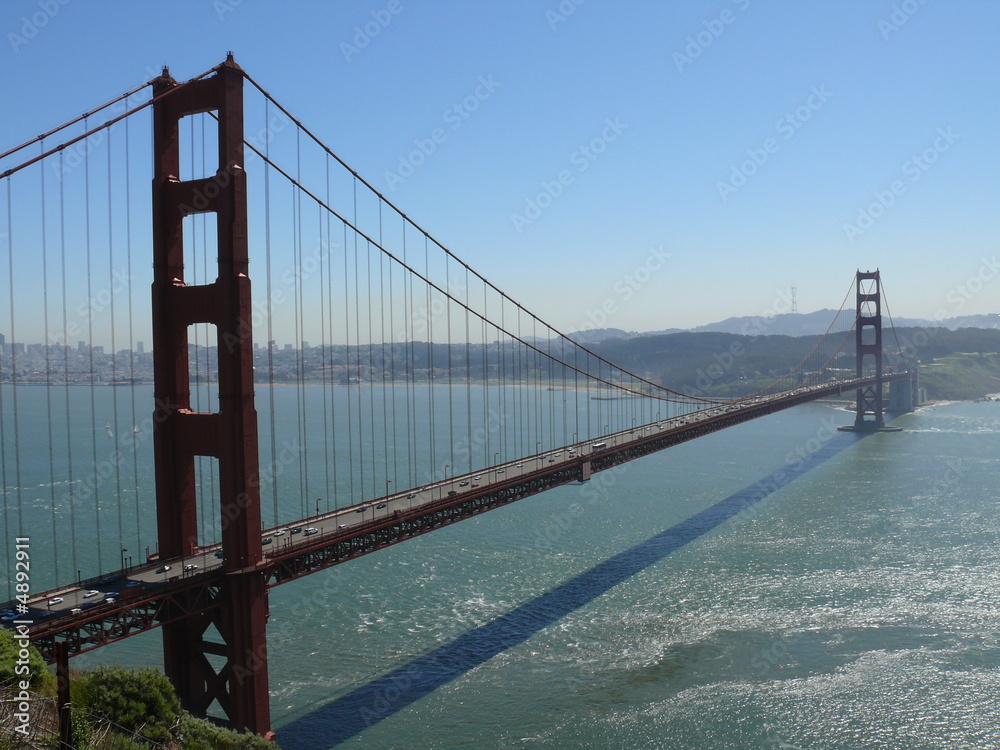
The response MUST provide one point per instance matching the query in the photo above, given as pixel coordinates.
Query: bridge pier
(240, 687)
(904, 396)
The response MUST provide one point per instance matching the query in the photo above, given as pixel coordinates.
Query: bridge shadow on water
(351, 714)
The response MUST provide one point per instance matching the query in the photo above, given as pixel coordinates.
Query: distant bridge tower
(868, 350)
(240, 613)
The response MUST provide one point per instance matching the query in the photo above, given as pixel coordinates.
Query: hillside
(961, 376)
(715, 363)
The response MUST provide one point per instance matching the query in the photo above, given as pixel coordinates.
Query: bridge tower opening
(180, 434)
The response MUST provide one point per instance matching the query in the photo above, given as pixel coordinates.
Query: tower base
(855, 428)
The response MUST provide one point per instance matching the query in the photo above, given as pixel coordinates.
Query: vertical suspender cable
(114, 352)
(3, 438)
(376, 489)
(270, 317)
(324, 255)
(347, 364)
(13, 362)
(297, 329)
(382, 365)
(430, 358)
(71, 483)
(451, 413)
(468, 371)
(131, 335)
(408, 369)
(487, 455)
(93, 382)
(502, 407)
(56, 549)
(333, 380)
(300, 344)
(392, 379)
(357, 352)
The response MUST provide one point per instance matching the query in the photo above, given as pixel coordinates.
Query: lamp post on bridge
(317, 505)
(124, 550)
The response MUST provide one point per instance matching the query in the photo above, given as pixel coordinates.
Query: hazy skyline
(650, 165)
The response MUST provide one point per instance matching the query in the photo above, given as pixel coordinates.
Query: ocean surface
(776, 585)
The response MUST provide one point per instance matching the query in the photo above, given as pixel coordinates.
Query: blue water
(774, 585)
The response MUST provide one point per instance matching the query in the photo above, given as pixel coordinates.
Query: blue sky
(686, 161)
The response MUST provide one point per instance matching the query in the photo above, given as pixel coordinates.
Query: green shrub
(140, 700)
(41, 679)
(199, 734)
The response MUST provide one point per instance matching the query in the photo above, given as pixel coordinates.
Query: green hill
(961, 364)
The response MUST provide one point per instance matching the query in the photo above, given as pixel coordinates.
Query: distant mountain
(789, 324)
(811, 324)
(664, 332)
(599, 334)
(991, 320)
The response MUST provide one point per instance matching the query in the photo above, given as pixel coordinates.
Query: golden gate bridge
(428, 394)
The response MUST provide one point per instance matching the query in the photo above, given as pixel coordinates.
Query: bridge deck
(89, 614)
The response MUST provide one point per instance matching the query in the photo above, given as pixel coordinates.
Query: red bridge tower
(230, 435)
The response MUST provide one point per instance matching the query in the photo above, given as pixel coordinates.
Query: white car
(91, 594)
(55, 600)
(310, 531)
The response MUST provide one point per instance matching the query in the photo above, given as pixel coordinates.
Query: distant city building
(305, 344)
(140, 348)
(81, 346)
(288, 347)
(17, 348)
